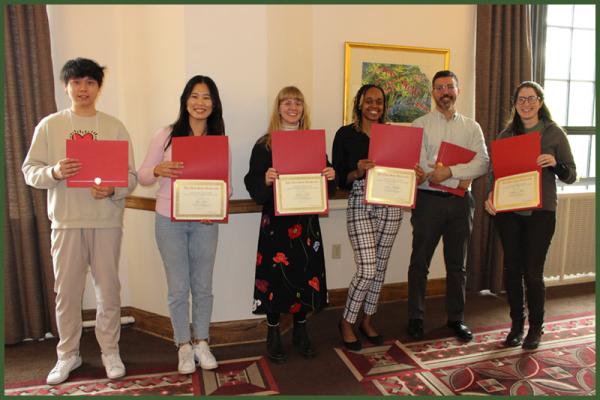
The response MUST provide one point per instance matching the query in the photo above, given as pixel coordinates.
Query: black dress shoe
(515, 336)
(377, 340)
(274, 346)
(301, 341)
(461, 330)
(533, 338)
(354, 346)
(415, 329)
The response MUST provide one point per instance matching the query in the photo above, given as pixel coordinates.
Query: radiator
(572, 254)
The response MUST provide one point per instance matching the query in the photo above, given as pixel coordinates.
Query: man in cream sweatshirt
(86, 222)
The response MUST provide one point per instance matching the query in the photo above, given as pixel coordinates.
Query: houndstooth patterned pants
(372, 230)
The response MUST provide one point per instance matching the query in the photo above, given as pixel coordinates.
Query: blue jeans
(188, 251)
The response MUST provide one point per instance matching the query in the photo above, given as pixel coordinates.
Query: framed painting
(404, 73)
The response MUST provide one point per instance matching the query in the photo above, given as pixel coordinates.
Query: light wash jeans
(188, 251)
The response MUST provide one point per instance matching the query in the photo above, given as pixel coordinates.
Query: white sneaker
(62, 369)
(113, 365)
(186, 359)
(204, 357)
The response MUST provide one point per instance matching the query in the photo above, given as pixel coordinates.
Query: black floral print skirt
(290, 265)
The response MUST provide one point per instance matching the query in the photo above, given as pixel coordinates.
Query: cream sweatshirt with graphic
(75, 207)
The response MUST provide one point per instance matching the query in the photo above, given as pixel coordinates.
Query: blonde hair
(288, 92)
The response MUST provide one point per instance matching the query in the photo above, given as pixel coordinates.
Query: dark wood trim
(149, 322)
(140, 203)
(255, 330)
(221, 333)
(90, 315)
(390, 292)
(242, 206)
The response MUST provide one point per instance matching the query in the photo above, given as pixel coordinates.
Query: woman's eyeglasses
(530, 99)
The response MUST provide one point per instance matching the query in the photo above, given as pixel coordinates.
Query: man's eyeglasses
(439, 88)
(530, 99)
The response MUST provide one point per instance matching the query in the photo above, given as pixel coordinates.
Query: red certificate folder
(450, 154)
(395, 146)
(516, 155)
(298, 152)
(104, 159)
(203, 157)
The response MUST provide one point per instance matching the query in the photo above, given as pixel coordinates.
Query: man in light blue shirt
(439, 214)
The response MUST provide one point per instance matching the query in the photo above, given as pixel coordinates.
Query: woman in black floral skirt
(290, 265)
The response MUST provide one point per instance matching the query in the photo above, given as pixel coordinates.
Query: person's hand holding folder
(65, 168)
(168, 169)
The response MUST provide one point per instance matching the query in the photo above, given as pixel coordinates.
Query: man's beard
(445, 105)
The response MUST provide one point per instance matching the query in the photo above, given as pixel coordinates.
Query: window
(569, 70)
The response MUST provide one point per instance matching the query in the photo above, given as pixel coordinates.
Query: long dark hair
(214, 123)
(514, 123)
(356, 109)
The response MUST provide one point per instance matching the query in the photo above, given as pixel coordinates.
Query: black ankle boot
(301, 341)
(533, 338)
(515, 336)
(274, 345)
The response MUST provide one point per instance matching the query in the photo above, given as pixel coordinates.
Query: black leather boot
(515, 336)
(274, 345)
(533, 338)
(301, 341)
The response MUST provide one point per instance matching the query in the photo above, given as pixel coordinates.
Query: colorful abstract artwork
(407, 89)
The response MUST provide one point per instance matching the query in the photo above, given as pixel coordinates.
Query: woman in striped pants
(372, 228)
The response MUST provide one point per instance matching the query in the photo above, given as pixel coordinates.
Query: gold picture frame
(404, 72)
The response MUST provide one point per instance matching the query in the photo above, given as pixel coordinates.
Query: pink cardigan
(155, 155)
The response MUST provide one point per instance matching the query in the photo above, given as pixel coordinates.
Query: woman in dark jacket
(290, 264)
(526, 235)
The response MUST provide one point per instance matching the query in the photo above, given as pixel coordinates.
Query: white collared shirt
(459, 130)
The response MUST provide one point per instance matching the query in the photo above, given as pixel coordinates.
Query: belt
(437, 193)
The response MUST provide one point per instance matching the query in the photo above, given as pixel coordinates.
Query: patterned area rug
(248, 376)
(564, 364)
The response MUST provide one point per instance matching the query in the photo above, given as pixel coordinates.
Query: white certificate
(391, 186)
(300, 194)
(199, 199)
(517, 192)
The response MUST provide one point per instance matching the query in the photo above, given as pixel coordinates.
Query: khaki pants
(72, 251)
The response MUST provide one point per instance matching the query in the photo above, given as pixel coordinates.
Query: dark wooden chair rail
(241, 206)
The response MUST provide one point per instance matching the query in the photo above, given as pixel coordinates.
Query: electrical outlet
(336, 251)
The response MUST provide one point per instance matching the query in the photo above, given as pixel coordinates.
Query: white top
(459, 130)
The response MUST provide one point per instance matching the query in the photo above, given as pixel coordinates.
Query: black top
(290, 262)
(260, 161)
(349, 146)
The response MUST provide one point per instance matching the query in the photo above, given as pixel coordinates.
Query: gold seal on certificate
(517, 192)
(391, 186)
(300, 194)
(199, 199)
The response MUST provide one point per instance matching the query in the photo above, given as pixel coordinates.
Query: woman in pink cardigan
(187, 248)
